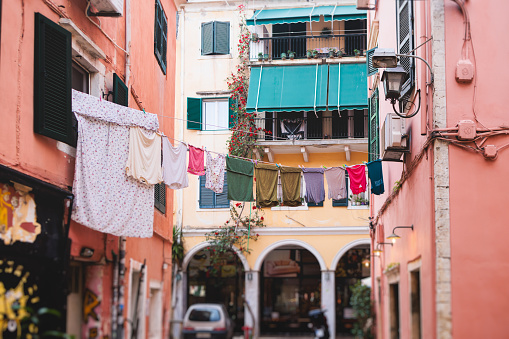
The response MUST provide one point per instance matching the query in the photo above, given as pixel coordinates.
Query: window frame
(194, 114)
(160, 34)
(204, 113)
(214, 38)
(215, 208)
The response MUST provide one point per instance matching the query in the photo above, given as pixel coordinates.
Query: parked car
(207, 321)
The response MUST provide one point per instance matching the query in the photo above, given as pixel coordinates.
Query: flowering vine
(242, 141)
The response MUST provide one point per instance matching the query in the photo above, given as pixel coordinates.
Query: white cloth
(105, 198)
(336, 183)
(214, 173)
(144, 161)
(174, 165)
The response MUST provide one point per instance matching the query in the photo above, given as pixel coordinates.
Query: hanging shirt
(376, 176)
(290, 184)
(315, 191)
(240, 179)
(357, 176)
(336, 183)
(174, 165)
(105, 198)
(266, 185)
(214, 173)
(196, 162)
(144, 160)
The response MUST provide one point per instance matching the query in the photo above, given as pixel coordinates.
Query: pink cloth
(196, 162)
(357, 176)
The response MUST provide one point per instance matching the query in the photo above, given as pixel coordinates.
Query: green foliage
(36, 319)
(361, 304)
(177, 249)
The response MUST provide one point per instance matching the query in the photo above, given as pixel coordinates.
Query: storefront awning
(353, 86)
(292, 15)
(288, 88)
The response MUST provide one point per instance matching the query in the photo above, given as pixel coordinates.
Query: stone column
(252, 313)
(329, 300)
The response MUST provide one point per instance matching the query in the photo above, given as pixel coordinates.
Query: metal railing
(287, 126)
(274, 46)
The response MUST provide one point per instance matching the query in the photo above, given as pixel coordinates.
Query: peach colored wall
(478, 186)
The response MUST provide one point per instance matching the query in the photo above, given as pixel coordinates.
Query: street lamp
(393, 79)
(393, 237)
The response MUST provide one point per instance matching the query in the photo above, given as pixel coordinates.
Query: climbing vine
(242, 142)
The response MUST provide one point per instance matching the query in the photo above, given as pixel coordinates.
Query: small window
(211, 199)
(344, 201)
(160, 33)
(160, 197)
(80, 78)
(215, 38)
(210, 114)
(355, 201)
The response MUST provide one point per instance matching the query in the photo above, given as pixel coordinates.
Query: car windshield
(205, 314)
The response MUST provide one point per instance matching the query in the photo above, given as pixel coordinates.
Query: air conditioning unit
(363, 4)
(393, 141)
(108, 7)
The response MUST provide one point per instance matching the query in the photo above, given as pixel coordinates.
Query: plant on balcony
(309, 53)
(291, 55)
(242, 141)
(283, 56)
(332, 52)
(357, 52)
(237, 231)
(340, 52)
(315, 53)
(266, 57)
(254, 37)
(260, 56)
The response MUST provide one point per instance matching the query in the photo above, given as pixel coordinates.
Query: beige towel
(144, 161)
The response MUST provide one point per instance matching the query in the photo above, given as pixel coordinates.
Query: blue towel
(376, 176)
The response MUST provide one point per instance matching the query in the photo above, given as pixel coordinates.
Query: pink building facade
(445, 277)
(97, 281)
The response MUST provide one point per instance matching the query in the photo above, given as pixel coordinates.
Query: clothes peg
(144, 110)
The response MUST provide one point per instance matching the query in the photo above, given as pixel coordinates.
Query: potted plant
(315, 53)
(340, 53)
(291, 55)
(283, 56)
(260, 56)
(254, 37)
(266, 57)
(309, 53)
(357, 52)
(332, 52)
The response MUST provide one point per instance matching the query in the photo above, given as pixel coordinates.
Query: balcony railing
(274, 46)
(291, 126)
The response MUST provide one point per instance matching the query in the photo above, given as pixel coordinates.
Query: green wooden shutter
(194, 113)
(232, 104)
(374, 131)
(344, 201)
(160, 35)
(207, 196)
(160, 197)
(221, 37)
(52, 80)
(312, 204)
(120, 91)
(369, 62)
(207, 38)
(405, 38)
(222, 198)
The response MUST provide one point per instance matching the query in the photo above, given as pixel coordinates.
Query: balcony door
(289, 37)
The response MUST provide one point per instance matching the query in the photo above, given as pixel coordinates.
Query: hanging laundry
(376, 176)
(214, 173)
(315, 191)
(196, 162)
(336, 183)
(144, 160)
(266, 185)
(174, 165)
(357, 176)
(290, 182)
(239, 176)
(105, 198)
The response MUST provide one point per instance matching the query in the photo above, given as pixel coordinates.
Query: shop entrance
(352, 267)
(289, 289)
(217, 281)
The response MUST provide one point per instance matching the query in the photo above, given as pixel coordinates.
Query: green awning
(353, 90)
(306, 14)
(288, 88)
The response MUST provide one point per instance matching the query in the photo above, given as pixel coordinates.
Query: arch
(345, 249)
(305, 245)
(206, 244)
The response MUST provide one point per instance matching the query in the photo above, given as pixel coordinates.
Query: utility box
(393, 141)
(108, 7)
(466, 130)
(464, 71)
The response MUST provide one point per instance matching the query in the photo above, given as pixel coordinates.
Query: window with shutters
(211, 199)
(160, 36)
(405, 38)
(210, 114)
(215, 38)
(369, 62)
(374, 130)
(52, 81)
(120, 91)
(353, 201)
(160, 197)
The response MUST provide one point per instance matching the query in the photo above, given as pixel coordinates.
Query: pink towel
(196, 165)
(357, 176)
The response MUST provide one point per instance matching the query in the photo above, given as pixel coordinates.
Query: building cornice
(334, 230)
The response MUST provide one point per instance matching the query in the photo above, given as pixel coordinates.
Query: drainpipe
(180, 193)
(424, 71)
(127, 41)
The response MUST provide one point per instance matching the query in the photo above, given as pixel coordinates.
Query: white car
(207, 321)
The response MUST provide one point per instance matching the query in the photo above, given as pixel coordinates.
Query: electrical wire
(100, 28)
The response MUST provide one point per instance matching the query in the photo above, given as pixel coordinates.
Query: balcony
(275, 45)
